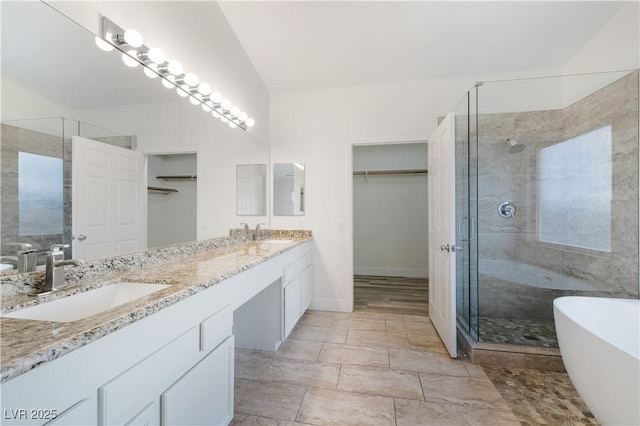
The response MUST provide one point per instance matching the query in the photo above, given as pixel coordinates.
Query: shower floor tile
(518, 332)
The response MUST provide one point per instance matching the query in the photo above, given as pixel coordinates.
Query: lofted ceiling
(322, 44)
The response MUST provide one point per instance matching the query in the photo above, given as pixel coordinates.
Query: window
(574, 191)
(40, 202)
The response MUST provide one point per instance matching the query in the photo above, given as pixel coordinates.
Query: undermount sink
(83, 305)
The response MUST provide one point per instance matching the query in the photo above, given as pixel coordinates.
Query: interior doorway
(390, 237)
(172, 199)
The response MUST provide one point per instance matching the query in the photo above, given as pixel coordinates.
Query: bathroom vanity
(164, 358)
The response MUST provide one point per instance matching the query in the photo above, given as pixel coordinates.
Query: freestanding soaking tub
(599, 341)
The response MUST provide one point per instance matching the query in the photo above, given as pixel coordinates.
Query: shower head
(514, 146)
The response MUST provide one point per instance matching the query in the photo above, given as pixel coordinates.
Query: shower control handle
(507, 210)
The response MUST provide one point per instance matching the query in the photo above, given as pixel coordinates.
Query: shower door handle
(472, 226)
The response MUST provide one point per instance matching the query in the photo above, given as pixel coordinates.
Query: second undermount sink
(83, 305)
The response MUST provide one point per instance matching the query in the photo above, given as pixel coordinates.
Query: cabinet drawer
(307, 260)
(128, 393)
(216, 328)
(79, 414)
(148, 416)
(289, 273)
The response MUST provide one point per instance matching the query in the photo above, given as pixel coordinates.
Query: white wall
(390, 235)
(19, 103)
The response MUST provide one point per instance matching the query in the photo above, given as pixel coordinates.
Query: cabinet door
(149, 416)
(204, 395)
(78, 414)
(291, 305)
(306, 292)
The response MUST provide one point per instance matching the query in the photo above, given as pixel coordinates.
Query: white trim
(392, 272)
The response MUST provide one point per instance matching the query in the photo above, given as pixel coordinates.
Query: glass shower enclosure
(546, 200)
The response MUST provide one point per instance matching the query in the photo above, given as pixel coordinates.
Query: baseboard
(336, 305)
(392, 272)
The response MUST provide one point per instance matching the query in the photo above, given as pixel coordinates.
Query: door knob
(444, 247)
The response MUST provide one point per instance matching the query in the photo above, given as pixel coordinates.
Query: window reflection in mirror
(288, 189)
(251, 189)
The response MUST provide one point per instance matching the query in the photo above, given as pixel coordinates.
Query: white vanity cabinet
(297, 290)
(134, 376)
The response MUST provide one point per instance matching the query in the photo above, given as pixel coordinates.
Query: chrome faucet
(245, 228)
(26, 257)
(257, 235)
(54, 264)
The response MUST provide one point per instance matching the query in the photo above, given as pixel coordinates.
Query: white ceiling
(322, 44)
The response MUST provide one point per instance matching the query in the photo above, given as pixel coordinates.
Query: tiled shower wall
(15, 139)
(514, 177)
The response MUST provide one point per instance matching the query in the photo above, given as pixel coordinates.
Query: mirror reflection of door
(288, 189)
(109, 200)
(173, 188)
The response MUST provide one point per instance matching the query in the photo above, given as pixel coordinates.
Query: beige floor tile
(319, 334)
(330, 407)
(414, 327)
(474, 370)
(377, 339)
(249, 363)
(380, 381)
(355, 355)
(299, 349)
(305, 373)
(416, 318)
(268, 399)
(375, 315)
(412, 413)
(426, 362)
(427, 343)
(359, 324)
(246, 420)
(316, 319)
(467, 391)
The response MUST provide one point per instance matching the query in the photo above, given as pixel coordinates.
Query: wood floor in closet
(409, 296)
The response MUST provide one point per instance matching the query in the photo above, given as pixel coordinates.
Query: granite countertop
(25, 344)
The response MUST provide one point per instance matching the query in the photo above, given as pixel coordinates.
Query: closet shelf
(161, 190)
(178, 177)
(390, 172)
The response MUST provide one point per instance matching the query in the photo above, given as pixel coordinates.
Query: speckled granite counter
(25, 344)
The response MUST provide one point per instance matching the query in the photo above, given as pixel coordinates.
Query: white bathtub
(599, 341)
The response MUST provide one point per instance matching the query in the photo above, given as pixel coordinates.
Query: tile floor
(364, 368)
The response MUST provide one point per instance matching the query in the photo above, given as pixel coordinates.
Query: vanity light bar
(155, 64)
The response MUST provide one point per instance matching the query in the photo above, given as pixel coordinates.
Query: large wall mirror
(288, 189)
(51, 67)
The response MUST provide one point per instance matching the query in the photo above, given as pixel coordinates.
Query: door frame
(351, 143)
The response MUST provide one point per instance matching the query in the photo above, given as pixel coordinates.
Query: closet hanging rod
(390, 172)
(178, 177)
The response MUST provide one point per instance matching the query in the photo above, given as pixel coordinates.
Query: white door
(109, 200)
(441, 211)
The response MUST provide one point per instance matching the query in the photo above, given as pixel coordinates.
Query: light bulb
(242, 116)
(175, 68)
(232, 124)
(194, 100)
(103, 45)
(250, 122)
(215, 114)
(128, 60)
(234, 111)
(226, 105)
(183, 91)
(191, 79)
(156, 55)
(167, 81)
(216, 97)
(133, 38)
(204, 89)
(224, 119)
(206, 107)
(151, 71)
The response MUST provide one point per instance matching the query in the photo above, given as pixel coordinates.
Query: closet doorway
(172, 200)
(390, 228)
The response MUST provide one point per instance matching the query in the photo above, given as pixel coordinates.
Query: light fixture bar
(187, 84)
